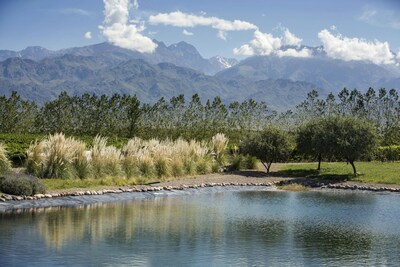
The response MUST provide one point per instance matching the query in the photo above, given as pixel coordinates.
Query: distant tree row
(126, 116)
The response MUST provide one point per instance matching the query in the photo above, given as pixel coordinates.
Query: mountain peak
(223, 62)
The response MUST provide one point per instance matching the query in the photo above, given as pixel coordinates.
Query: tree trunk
(267, 165)
(352, 165)
(319, 161)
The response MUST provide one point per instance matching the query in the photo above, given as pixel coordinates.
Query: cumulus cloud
(119, 31)
(88, 35)
(187, 33)
(266, 44)
(291, 39)
(181, 19)
(344, 48)
(262, 44)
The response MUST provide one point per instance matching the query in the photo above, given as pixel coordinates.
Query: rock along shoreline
(11, 202)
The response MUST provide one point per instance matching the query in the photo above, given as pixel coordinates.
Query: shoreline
(242, 180)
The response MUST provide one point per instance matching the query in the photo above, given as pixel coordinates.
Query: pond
(210, 228)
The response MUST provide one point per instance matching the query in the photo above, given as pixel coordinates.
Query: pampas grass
(139, 160)
(53, 157)
(5, 164)
(105, 159)
(219, 142)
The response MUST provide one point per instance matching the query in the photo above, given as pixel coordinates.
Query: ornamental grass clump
(219, 142)
(139, 160)
(105, 159)
(129, 157)
(82, 161)
(5, 164)
(53, 157)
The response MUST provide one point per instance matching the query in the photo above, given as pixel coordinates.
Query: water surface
(236, 228)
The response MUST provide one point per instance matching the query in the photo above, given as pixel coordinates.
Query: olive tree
(269, 146)
(310, 140)
(350, 138)
(342, 137)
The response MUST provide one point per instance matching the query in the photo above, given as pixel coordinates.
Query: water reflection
(229, 228)
(123, 222)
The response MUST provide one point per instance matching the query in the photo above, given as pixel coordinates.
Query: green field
(368, 172)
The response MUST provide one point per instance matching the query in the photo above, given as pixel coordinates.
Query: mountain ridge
(179, 68)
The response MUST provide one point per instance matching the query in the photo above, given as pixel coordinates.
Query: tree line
(127, 116)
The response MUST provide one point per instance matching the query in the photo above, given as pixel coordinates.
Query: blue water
(225, 228)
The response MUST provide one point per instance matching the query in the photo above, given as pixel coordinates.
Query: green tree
(311, 140)
(270, 145)
(343, 137)
(350, 138)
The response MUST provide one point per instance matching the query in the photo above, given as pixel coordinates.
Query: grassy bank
(368, 172)
(88, 184)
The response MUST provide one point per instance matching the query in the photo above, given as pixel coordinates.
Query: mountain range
(40, 74)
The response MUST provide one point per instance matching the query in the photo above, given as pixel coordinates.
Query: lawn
(368, 172)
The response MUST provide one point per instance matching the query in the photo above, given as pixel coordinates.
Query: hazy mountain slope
(324, 72)
(44, 80)
(180, 54)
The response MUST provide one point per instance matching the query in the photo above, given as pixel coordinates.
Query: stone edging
(6, 197)
(302, 181)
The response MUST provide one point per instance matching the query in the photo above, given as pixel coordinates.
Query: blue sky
(261, 27)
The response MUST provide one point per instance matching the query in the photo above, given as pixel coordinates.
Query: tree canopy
(342, 137)
(270, 145)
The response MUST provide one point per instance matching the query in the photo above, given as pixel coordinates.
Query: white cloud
(389, 18)
(304, 52)
(222, 35)
(75, 11)
(88, 35)
(118, 31)
(262, 44)
(367, 14)
(181, 19)
(266, 44)
(135, 4)
(344, 48)
(290, 39)
(187, 33)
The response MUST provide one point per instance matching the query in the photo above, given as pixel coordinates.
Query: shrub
(237, 162)
(21, 185)
(240, 162)
(388, 153)
(250, 162)
(5, 164)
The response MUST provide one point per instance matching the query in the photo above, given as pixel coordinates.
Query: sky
(348, 30)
